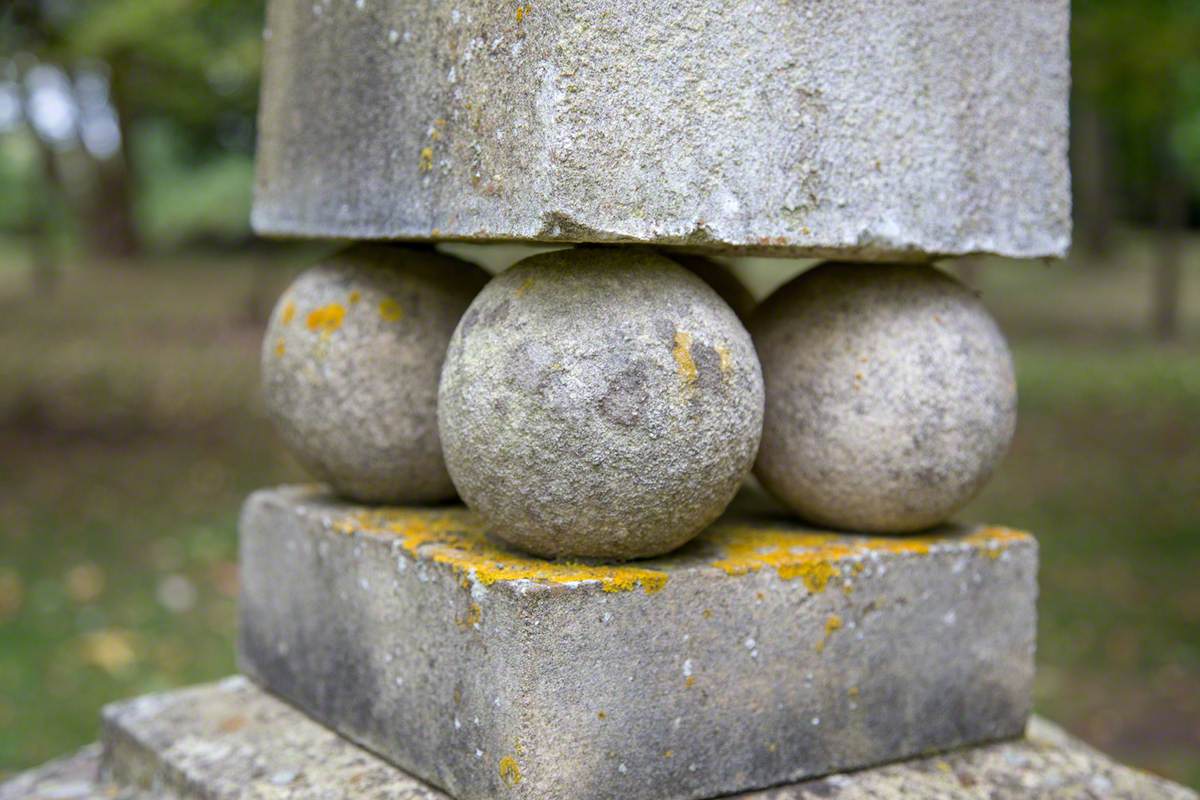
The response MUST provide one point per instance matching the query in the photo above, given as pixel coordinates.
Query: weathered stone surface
(232, 740)
(760, 653)
(599, 403)
(851, 128)
(73, 777)
(890, 395)
(722, 280)
(351, 361)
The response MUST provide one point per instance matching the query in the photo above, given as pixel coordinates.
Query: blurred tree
(187, 67)
(1137, 108)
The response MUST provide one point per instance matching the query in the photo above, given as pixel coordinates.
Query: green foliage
(1138, 62)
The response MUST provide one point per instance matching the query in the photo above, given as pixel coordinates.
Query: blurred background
(133, 297)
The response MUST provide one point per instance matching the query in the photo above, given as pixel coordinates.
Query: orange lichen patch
(280, 348)
(817, 558)
(682, 351)
(510, 771)
(355, 296)
(689, 681)
(454, 537)
(326, 319)
(471, 618)
(233, 724)
(390, 310)
(289, 312)
(833, 624)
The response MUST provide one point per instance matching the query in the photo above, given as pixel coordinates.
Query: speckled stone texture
(848, 128)
(599, 402)
(232, 740)
(351, 361)
(758, 654)
(890, 396)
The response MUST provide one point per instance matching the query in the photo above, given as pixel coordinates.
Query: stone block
(848, 128)
(758, 654)
(232, 740)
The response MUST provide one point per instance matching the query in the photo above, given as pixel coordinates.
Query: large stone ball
(890, 395)
(599, 402)
(351, 362)
(722, 280)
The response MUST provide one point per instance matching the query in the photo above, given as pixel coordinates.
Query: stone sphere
(890, 396)
(721, 280)
(599, 403)
(350, 367)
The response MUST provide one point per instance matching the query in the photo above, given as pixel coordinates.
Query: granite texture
(760, 653)
(847, 128)
(890, 395)
(350, 366)
(232, 741)
(599, 402)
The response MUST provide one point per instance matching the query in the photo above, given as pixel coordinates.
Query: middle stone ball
(600, 403)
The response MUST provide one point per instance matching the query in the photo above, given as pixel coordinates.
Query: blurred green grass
(130, 431)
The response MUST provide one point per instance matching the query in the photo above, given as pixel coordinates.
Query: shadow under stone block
(761, 653)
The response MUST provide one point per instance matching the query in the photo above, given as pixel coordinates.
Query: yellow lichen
(280, 348)
(510, 771)
(668, 753)
(471, 618)
(390, 310)
(726, 359)
(683, 357)
(601, 715)
(289, 311)
(355, 296)
(817, 558)
(326, 319)
(455, 537)
(690, 681)
(833, 624)
(425, 161)
(523, 11)
(525, 286)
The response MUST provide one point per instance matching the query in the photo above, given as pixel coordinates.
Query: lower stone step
(761, 653)
(233, 741)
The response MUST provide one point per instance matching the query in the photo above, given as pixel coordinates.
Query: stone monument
(593, 619)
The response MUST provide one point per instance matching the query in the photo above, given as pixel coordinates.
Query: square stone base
(761, 653)
(231, 740)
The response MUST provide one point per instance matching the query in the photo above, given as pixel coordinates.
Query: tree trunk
(1095, 210)
(110, 220)
(45, 258)
(1172, 215)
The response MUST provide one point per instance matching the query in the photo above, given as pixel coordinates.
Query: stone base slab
(761, 653)
(233, 741)
(851, 128)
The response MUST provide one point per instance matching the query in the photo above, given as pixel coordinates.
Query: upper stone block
(841, 128)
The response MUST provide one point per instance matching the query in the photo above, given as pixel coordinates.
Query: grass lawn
(130, 431)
